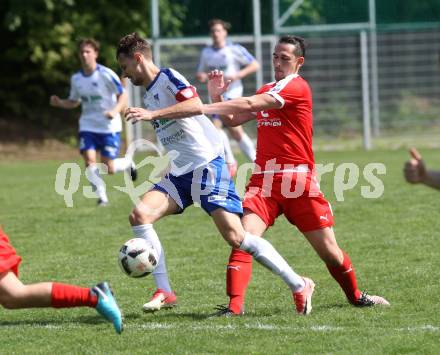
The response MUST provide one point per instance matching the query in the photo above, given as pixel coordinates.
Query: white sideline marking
(428, 328)
(256, 326)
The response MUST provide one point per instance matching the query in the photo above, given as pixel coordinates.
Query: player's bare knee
(138, 217)
(233, 238)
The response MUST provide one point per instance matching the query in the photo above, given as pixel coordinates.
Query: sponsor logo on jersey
(158, 123)
(91, 98)
(271, 122)
(156, 97)
(174, 138)
(170, 89)
(94, 98)
(95, 84)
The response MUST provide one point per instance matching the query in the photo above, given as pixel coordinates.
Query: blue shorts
(106, 143)
(209, 185)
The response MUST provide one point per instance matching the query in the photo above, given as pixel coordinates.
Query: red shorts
(299, 199)
(9, 260)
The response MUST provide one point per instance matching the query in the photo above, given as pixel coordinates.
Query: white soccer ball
(137, 258)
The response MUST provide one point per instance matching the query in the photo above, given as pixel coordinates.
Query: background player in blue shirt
(102, 97)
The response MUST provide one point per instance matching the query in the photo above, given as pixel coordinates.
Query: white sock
(247, 147)
(121, 164)
(147, 232)
(229, 156)
(96, 181)
(266, 255)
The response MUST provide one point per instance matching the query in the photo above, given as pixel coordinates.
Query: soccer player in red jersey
(15, 295)
(283, 181)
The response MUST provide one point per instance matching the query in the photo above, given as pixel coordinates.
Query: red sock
(66, 296)
(346, 278)
(238, 275)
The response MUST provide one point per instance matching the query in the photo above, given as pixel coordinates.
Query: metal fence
(338, 68)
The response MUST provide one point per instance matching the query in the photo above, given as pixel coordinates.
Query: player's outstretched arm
(187, 108)
(242, 108)
(55, 101)
(217, 86)
(415, 171)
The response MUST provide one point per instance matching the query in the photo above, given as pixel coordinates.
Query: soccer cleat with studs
(133, 172)
(224, 311)
(303, 298)
(365, 300)
(160, 300)
(102, 203)
(107, 306)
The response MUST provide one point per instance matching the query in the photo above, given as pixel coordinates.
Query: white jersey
(229, 59)
(97, 93)
(194, 140)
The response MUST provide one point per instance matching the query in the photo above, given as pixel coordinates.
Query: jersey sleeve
(242, 55)
(74, 94)
(285, 92)
(112, 81)
(178, 86)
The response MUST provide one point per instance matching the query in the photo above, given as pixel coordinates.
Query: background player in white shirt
(198, 174)
(100, 93)
(236, 62)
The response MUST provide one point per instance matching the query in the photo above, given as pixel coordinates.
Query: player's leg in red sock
(14, 294)
(345, 275)
(338, 263)
(66, 296)
(238, 275)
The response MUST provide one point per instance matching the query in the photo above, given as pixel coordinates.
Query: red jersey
(286, 133)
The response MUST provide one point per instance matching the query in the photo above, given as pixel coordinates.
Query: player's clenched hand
(414, 169)
(217, 84)
(55, 101)
(135, 114)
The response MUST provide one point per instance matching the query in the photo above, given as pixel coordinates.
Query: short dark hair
(132, 43)
(298, 42)
(217, 21)
(89, 42)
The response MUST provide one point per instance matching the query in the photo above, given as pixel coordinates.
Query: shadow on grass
(330, 306)
(92, 319)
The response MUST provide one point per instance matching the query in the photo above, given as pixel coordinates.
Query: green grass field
(393, 243)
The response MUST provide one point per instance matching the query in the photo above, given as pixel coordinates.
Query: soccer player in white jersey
(100, 93)
(236, 62)
(198, 173)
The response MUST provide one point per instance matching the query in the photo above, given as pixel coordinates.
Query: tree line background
(39, 37)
